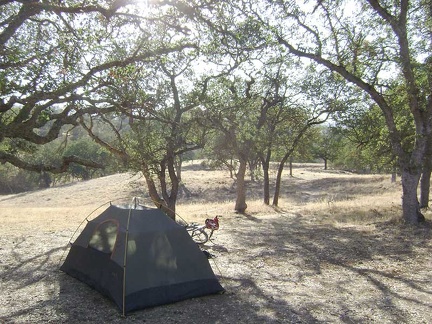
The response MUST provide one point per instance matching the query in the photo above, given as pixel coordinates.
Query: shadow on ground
(325, 273)
(276, 269)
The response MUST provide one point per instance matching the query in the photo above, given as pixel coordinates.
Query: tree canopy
(57, 59)
(163, 75)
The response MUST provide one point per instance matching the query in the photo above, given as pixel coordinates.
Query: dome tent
(139, 257)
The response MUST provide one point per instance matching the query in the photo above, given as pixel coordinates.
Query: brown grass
(330, 196)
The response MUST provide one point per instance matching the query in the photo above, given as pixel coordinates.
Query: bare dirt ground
(332, 253)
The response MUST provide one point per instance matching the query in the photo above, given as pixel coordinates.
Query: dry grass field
(333, 252)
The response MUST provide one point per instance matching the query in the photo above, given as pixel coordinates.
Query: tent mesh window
(105, 236)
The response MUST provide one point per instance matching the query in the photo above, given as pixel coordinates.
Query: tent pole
(76, 230)
(125, 260)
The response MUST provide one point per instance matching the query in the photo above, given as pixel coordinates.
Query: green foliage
(14, 180)
(146, 142)
(326, 143)
(367, 139)
(364, 145)
(87, 149)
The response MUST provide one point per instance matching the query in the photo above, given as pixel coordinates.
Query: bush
(14, 180)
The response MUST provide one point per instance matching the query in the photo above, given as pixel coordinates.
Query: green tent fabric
(139, 257)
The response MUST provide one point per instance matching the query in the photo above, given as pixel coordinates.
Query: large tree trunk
(265, 162)
(165, 201)
(152, 190)
(427, 169)
(291, 167)
(241, 205)
(266, 185)
(410, 203)
(182, 190)
(425, 188)
(178, 167)
(253, 166)
(279, 180)
(170, 196)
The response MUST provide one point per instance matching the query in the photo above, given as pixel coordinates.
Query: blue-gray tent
(139, 257)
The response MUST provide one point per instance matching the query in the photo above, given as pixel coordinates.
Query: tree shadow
(39, 292)
(81, 304)
(322, 249)
(25, 272)
(268, 268)
(28, 277)
(336, 188)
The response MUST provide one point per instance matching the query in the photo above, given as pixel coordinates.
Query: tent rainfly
(139, 257)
